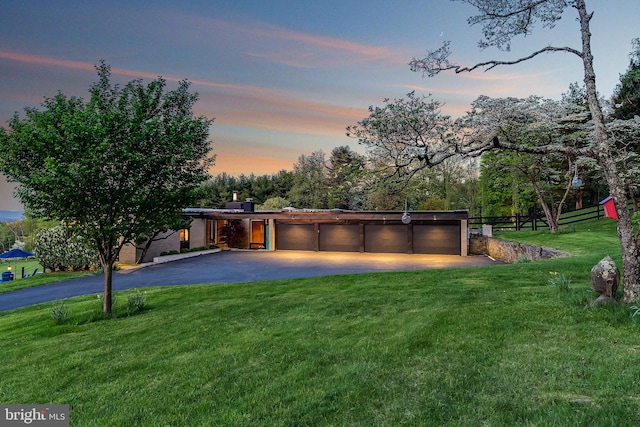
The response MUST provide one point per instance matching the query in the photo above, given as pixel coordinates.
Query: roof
(327, 214)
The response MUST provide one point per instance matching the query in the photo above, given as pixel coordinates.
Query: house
(415, 232)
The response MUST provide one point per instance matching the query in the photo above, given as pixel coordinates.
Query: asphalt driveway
(236, 267)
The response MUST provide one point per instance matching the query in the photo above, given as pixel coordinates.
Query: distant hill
(8, 216)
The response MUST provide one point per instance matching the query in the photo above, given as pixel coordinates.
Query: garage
(339, 237)
(385, 238)
(295, 237)
(419, 232)
(437, 238)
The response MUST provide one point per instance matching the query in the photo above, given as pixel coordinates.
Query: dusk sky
(285, 78)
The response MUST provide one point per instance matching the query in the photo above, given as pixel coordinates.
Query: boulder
(605, 278)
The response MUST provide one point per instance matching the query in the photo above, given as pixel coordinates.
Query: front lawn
(494, 346)
(29, 265)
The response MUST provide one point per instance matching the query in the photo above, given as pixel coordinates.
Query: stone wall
(508, 251)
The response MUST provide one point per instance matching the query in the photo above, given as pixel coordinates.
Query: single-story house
(413, 232)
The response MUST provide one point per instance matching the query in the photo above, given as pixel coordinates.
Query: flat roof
(327, 214)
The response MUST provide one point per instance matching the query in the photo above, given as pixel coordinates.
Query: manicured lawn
(29, 266)
(494, 346)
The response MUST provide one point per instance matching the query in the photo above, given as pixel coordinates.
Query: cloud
(288, 47)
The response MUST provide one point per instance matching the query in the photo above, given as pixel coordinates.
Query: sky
(284, 78)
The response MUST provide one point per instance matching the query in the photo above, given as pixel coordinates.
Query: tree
(405, 136)
(116, 168)
(503, 20)
(530, 123)
(59, 250)
(346, 170)
(273, 204)
(310, 188)
(218, 191)
(233, 233)
(626, 96)
(505, 192)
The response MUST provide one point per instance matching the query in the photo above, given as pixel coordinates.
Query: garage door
(386, 238)
(340, 237)
(295, 237)
(439, 238)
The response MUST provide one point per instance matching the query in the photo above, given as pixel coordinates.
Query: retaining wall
(508, 251)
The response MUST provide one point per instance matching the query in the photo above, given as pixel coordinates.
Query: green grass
(494, 346)
(40, 279)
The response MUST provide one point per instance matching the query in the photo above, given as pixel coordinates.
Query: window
(184, 234)
(211, 232)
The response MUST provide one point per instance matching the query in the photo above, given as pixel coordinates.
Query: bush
(59, 250)
(173, 252)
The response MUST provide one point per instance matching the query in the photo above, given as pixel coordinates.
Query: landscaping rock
(605, 278)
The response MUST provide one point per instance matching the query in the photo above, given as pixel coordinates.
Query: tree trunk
(552, 219)
(107, 300)
(107, 258)
(579, 200)
(628, 243)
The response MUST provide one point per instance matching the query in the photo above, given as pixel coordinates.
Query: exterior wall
(464, 238)
(169, 241)
(271, 237)
(127, 254)
(333, 221)
(198, 233)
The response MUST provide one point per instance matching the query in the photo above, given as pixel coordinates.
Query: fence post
(518, 221)
(534, 219)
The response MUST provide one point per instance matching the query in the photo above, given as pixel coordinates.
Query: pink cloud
(292, 48)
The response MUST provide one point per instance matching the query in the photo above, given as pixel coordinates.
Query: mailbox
(609, 208)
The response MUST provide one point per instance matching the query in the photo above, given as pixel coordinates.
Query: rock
(605, 278)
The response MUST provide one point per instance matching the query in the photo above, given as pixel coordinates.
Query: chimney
(248, 205)
(234, 204)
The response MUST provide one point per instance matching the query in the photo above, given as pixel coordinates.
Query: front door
(257, 235)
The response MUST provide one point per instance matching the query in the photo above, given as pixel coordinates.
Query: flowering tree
(502, 20)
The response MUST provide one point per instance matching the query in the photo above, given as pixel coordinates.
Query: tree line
(346, 179)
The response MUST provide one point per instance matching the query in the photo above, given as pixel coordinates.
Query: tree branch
(436, 61)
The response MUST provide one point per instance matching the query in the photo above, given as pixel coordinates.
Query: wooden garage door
(340, 237)
(295, 237)
(385, 238)
(437, 238)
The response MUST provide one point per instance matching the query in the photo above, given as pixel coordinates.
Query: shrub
(58, 250)
(173, 252)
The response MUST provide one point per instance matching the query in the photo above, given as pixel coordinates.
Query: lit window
(184, 234)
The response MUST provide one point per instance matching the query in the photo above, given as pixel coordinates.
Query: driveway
(239, 266)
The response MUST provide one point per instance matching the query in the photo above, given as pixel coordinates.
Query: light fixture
(576, 182)
(406, 218)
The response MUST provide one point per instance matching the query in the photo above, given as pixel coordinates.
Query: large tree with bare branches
(501, 21)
